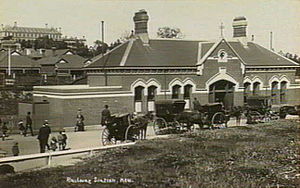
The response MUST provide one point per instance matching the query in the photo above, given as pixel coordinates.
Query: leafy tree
(168, 32)
(100, 47)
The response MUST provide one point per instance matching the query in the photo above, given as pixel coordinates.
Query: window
(283, 87)
(138, 93)
(274, 92)
(151, 93)
(222, 56)
(176, 91)
(256, 88)
(187, 91)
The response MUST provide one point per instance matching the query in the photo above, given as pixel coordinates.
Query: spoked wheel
(131, 133)
(159, 124)
(218, 119)
(107, 139)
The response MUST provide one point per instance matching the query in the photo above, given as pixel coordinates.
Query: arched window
(151, 93)
(187, 91)
(247, 91)
(274, 92)
(283, 87)
(256, 88)
(176, 91)
(138, 93)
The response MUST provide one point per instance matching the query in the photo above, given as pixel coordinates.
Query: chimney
(141, 25)
(240, 29)
(46, 25)
(15, 24)
(53, 51)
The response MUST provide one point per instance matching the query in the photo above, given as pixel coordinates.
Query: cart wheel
(130, 133)
(218, 119)
(107, 139)
(159, 124)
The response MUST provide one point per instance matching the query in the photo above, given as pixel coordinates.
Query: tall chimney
(141, 25)
(240, 29)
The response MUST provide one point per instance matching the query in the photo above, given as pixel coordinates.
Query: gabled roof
(176, 53)
(71, 61)
(183, 53)
(17, 61)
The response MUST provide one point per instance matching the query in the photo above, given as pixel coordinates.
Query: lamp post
(102, 49)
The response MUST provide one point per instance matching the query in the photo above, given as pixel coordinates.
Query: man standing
(105, 115)
(43, 136)
(28, 124)
(196, 104)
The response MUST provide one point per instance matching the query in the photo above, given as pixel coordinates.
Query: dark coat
(44, 133)
(105, 115)
(28, 120)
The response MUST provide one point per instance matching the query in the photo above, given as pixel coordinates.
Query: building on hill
(62, 64)
(24, 70)
(132, 76)
(28, 33)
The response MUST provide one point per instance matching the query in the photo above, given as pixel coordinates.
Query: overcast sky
(198, 19)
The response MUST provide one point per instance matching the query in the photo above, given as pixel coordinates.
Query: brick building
(28, 33)
(138, 72)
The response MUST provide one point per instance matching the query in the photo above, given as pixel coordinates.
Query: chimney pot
(141, 19)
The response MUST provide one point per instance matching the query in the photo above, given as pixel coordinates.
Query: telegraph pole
(271, 38)
(105, 71)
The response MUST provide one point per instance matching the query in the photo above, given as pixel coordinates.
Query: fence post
(48, 160)
(91, 152)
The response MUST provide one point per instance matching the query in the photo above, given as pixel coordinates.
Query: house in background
(61, 66)
(24, 71)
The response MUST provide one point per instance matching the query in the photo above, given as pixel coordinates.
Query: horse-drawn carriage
(170, 114)
(258, 109)
(124, 127)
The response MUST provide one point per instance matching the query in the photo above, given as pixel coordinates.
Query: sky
(197, 19)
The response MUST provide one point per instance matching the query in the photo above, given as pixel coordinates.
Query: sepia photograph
(150, 93)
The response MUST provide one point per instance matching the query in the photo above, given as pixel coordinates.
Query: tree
(100, 47)
(168, 32)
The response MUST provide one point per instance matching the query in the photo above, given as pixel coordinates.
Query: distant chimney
(15, 24)
(53, 51)
(46, 25)
(141, 25)
(252, 38)
(240, 29)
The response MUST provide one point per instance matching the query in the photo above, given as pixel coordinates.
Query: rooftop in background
(29, 33)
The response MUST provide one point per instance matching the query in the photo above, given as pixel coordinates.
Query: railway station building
(132, 76)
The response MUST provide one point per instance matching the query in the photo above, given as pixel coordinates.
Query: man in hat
(105, 115)
(28, 124)
(43, 136)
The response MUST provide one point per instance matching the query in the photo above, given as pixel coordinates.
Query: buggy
(171, 114)
(122, 127)
(258, 109)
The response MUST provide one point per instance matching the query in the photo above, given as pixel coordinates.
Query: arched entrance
(222, 91)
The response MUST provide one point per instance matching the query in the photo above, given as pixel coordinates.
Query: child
(15, 149)
(64, 140)
(53, 143)
(4, 130)
(21, 127)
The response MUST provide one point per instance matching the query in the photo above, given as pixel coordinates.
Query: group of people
(28, 125)
(43, 138)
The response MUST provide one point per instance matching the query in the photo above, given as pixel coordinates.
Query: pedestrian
(79, 121)
(53, 143)
(105, 115)
(238, 114)
(43, 136)
(21, 127)
(4, 130)
(28, 124)
(15, 149)
(196, 105)
(62, 140)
